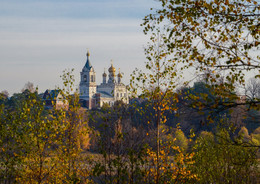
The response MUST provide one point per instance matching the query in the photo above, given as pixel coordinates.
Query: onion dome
(104, 74)
(112, 69)
(119, 74)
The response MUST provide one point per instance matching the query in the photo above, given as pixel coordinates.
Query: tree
(243, 133)
(4, 97)
(219, 160)
(43, 146)
(181, 140)
(120, 145)
(256, 139)
(36, 134)
(29, 86)
(5, 93)
(220, 36)
(252, 90)
(257, 130)
(154, 87)
(72, 128)
(157, 85)
(9, 146)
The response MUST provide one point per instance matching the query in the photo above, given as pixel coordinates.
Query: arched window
(85, 78)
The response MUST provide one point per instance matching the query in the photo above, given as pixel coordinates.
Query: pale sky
(41, 38)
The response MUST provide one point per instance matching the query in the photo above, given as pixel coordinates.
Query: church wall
(109, 101)
(121, 93)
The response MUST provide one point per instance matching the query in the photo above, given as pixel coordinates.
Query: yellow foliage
(173, 164)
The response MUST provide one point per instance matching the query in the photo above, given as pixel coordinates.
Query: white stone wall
(121, 93)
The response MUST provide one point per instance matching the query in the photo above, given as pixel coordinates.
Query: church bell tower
(87, 85)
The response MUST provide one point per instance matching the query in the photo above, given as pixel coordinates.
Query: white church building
(109, 91)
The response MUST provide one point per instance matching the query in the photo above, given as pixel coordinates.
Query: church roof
(88, 65)
(51, 94)
(105, 94)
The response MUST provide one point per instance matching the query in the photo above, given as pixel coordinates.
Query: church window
(85, 78)
(120, 94)
(92, 78)
(117, 94)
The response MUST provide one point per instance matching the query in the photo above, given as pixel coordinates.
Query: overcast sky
(41, 38)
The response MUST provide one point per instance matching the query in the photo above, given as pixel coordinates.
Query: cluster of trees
(39, 146)
(109, 145)
(199, 134)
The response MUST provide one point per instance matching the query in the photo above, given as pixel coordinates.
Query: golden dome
(119, 74)
(112, 69)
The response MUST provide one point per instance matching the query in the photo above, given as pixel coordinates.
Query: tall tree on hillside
(72, 127)
(157, 84)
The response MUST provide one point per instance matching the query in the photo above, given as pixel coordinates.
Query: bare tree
(29, 86)
(5, 93)
(252, 90)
